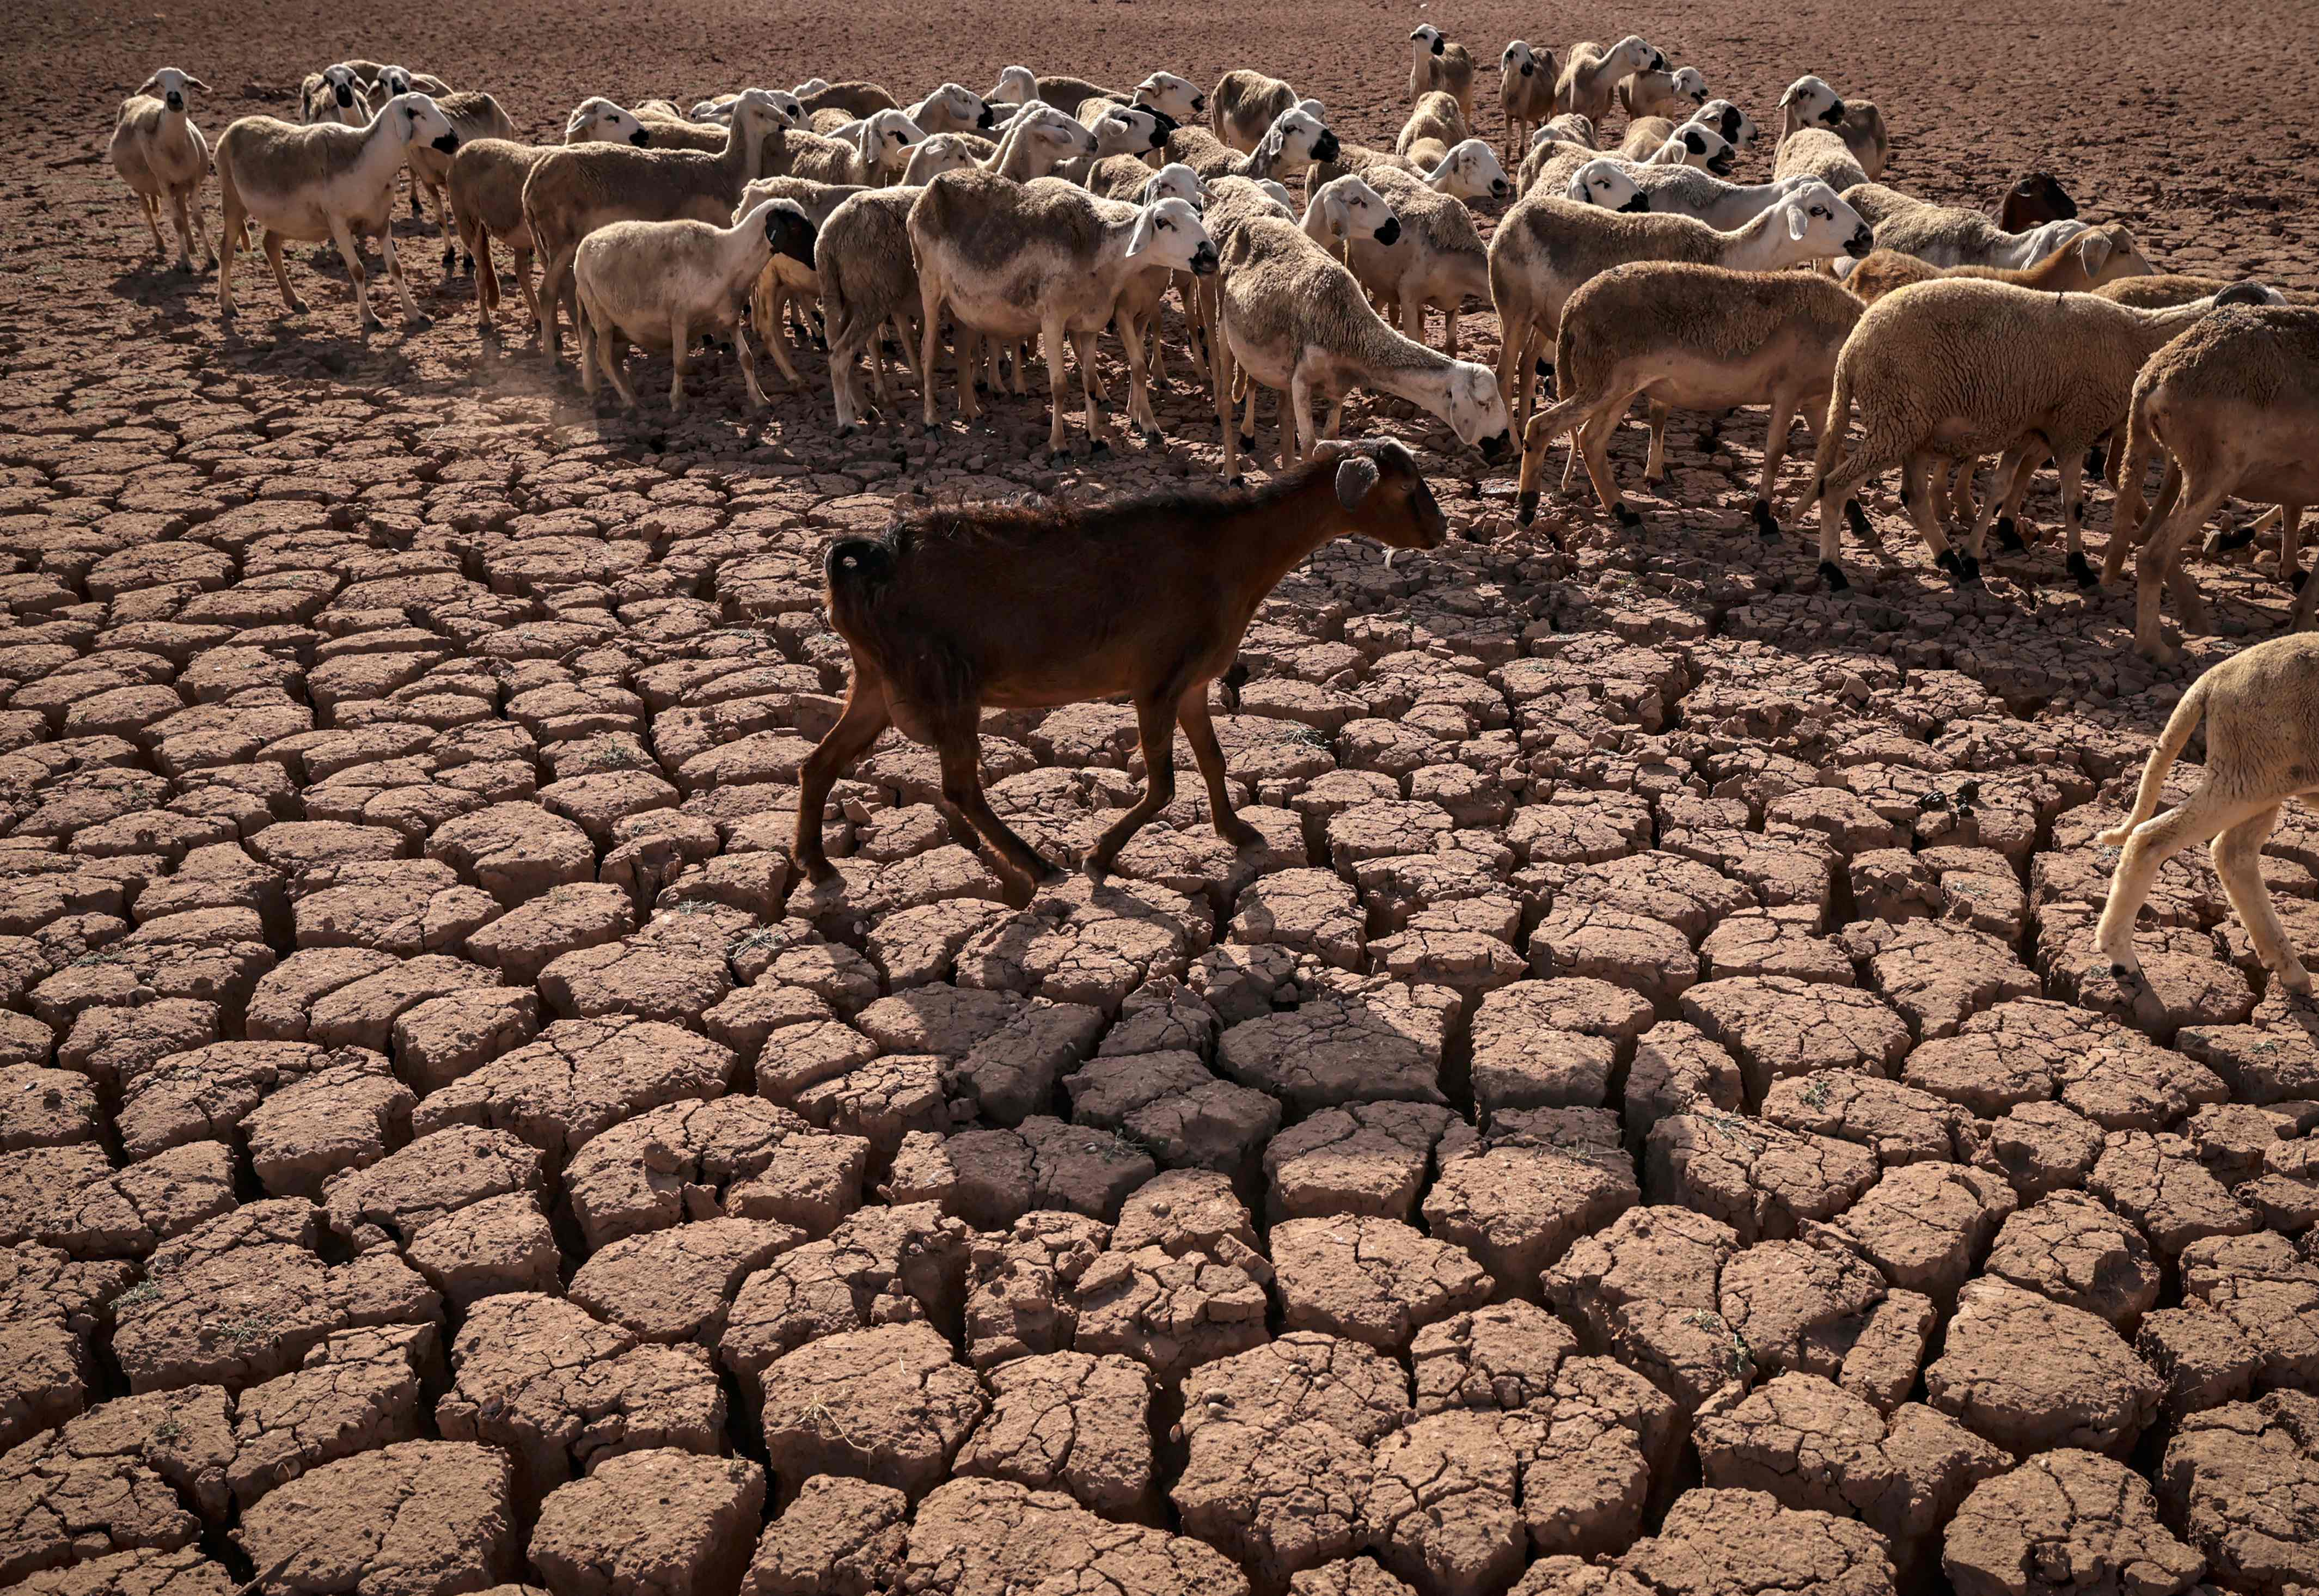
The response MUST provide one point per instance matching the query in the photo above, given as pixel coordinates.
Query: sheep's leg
(1413, 318)
(748, 364)
(677, 354)
(2291, 561)
(2069, 465)
(1775, 451)
(412, 314)
(1200, 731)
(193, 203)
(1299, 404)
(610, 356)
(437, 200)
(1515, 328)
(1331, 428)
(359, 277)
(930, 300)
(1054, 347)
(2131, 523)
(776, 341)
(1449, 328)
(592, 356)
(1156, 726)
(554, 280)
(862, 722)
(2236, 854)
(149, 208)
(2013, 470)
(1098, 423)
(1139, 385)
(185, 231)
(961, 775)
(487, 285)
(2205, 814)
(1916, 488)
(1594, 440)
(1655, 462)
(1022, 358)
(271, 243)
(2290, 570)
(2158, 553)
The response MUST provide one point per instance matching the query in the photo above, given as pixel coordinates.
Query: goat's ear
(1141, 239)
(2094, 249)
(1797, 223)
(1356, 475)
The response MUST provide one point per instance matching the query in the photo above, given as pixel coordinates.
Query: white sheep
(1727, 120)
(1469, 172)
(953, 108)
(1526, 84)
(321, 181)
(1244, 106)
(161, 155)
(1590, 73)
(1809, 103)
(1178, 99)
(334, 96)
(1661, 93)
(660, 284)
(1436, 64)
(1010, 261)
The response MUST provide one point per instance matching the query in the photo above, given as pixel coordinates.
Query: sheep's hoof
(2123, 974)
(1857, 519)
(415, 323)
(1096, 448)
(1153, 437)
(1767, 525)
(1237, 480)
(2080, 569)
(2230, 537)
(1947, 561)
(297, 307)
(1624, 514)
(1544, 368)
(1248, 442)
(1969, 571)
(2296, 579)
(1525, 509)
(2009, 536)
(2094, 460)
(1832, 576)
(847, 428)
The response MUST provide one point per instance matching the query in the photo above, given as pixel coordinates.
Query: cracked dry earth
(1615, 1135)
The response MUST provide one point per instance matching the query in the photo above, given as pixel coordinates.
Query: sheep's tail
(230, 202)
(2129, 471)
(1832, 430)
(2170, 742)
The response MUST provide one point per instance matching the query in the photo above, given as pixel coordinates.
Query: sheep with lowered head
(660, 284)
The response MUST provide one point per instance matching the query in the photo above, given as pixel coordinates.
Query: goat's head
(1346, 209)
(1168, 233)
(1824, 225)
(1470, 171)
(170, 86)
(1171, 96)
(1605, 183)
(788, 231)
(1385, 496)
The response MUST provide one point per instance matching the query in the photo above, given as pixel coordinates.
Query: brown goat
(1031, 609)
(2033, 201)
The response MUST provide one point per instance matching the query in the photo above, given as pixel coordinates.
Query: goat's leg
(1156, 726)
(1200, 731)
(864, 720)
(360, 278)
(961, 776)
(2205, 814)
(2236, 854)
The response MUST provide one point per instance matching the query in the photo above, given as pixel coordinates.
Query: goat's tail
(2162, 755)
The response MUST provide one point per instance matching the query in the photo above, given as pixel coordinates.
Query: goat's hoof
(2080, 570)
(1625, 516)
(1767, 525)
(1857, 519)
(2009, 536)
(1832, 576)
(1525, 509)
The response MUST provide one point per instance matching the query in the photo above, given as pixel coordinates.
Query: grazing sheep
(1297, 140)
(472, 115)
(787, 280)
(953, 108)
(2033, 199)
(659, 284)
(868, 284)
(1811, 103)
(161, 155)
(1437, 65)
(1820, 153)
(2233, 406)
(972, 606)
(1961, 367)
(1035, 145)
(1688, 336)
(1526, 82)
(1295, 321)
(1245, 105)
(1547, 246)
(1011, 259)
(1950, 234)
(581, 188)
(2261, 710)
(334, 96)
(1655, 141)
(877, 151)
(321, 182)
(485, 190)
(1591, 74)
(1434, 124)
(855, 99)
(1675, 95)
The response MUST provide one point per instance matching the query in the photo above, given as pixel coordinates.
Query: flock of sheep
(1052, 210)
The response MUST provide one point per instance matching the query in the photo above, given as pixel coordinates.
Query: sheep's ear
(2094, 250)
(1356, 475)
(195, 83)
(1797, 222)
(1693, 142)
(1141, 239)
(867, 139)
(148, 84)
(1790, 97)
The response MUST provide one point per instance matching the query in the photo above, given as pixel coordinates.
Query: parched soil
(1648, 1115)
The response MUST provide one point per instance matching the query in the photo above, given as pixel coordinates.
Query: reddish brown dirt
(1657, 1045)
